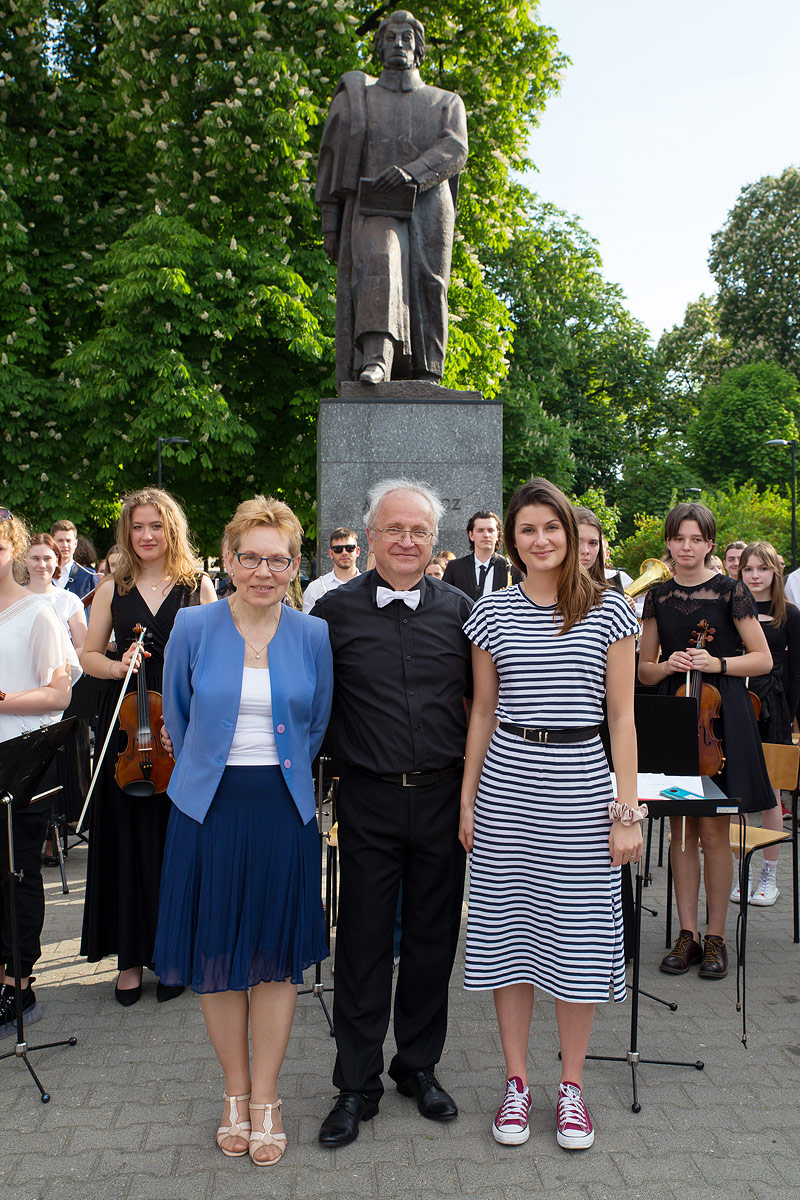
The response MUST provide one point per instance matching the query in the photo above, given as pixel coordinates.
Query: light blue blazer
(202, 687)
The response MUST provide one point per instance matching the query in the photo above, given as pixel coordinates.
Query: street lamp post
(168, 442)
(793, 444)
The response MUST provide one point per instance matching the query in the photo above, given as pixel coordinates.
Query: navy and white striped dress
(544, 901)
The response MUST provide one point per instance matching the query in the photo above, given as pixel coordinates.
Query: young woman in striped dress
(536, 804)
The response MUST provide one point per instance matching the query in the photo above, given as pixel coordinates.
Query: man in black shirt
(401, 672)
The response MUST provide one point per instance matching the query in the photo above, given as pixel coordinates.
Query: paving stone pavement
(136, 1103)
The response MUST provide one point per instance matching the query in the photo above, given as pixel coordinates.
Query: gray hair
(379, 491)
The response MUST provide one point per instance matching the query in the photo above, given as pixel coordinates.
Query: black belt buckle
(540, 737)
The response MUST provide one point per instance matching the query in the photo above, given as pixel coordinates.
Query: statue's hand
(330, 244)
(392, 177)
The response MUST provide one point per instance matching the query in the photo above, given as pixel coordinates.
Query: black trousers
(30, 826)
(389, 834)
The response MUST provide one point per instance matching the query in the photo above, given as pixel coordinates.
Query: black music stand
(317, 988)
(23, 761)
(666, 732)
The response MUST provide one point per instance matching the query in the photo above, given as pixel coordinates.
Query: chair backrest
(783, 764)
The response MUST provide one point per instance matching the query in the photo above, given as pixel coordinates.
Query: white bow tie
(385, 596)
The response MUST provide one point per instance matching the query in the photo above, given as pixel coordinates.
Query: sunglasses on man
(339, 549)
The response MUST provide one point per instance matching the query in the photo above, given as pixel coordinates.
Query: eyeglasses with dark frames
(277, 563)
(340, 549)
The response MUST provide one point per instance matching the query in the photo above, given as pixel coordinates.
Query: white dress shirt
(318, 587)
(488, 581)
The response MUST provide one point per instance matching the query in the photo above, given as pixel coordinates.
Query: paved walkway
(136, 1103)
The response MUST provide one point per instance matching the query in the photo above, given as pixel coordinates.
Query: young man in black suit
(484, 570)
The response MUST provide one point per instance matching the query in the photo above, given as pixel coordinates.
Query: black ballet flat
(128, 996)
(165, 993)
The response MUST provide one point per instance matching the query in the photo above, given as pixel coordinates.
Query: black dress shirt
(400, 676)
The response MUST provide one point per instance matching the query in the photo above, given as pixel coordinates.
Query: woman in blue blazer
(247, 694)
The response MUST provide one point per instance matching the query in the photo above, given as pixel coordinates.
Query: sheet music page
(650, 787)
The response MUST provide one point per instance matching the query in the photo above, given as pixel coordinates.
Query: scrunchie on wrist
(625, 814)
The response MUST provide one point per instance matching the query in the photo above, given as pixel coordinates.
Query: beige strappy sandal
(236, 1128)
(266, 1137)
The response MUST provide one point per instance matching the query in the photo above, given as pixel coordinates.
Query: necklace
(155, 586)
(257, 653)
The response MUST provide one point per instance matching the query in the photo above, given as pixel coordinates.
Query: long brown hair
(179, 565)
(585, 516)
(769, 557)
(576, 591)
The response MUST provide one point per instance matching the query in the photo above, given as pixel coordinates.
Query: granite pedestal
(449, 439)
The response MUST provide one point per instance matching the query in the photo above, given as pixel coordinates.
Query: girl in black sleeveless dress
(155, 577)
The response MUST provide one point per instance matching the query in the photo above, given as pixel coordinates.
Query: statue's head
(400, 41)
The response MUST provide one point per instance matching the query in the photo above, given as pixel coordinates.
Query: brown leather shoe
(715, 958)
(683, 954)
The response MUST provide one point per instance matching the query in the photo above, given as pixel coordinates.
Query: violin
(755, 699)
(709, 704)
(143, 767)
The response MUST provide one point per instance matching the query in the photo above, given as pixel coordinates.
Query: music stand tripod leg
(633, 1057)
(318, 989)
(21, 1048)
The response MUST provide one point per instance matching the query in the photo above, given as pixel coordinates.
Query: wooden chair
(783, 765)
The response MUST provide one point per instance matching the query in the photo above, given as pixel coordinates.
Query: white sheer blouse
(33, 645)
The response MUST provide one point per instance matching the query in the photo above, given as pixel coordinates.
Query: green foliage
(646, 541)
(749, 405)
(744, 512)
(607, 514)
(164, 273)
(694, 354)
(583, 389)
(755, 259)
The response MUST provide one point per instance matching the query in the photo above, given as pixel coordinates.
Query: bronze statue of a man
(387, 184)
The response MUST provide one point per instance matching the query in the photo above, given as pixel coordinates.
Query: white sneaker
(766, 892)
(735, 896)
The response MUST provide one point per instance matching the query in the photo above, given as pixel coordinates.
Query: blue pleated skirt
(240, 900)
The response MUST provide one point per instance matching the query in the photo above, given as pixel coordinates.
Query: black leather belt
(417, 778)
(558, 737)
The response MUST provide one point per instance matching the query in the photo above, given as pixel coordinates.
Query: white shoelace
(571, 1109)
(515, 1106)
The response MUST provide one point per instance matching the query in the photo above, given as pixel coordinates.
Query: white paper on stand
(650, 787)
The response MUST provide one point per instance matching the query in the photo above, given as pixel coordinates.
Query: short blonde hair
(264, 510)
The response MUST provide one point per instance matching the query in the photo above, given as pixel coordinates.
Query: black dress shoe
(433, 1101)
(128, 996)
(164, 992)
(340, 1127)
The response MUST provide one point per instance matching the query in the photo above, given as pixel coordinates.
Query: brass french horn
(652, 571)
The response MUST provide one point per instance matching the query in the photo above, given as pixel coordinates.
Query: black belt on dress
(552, 736)
(416, 778)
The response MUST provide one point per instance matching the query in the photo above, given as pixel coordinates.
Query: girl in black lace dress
(155, 577)
(779, 692)
(672, 613)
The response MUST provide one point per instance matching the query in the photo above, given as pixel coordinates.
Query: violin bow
(112, 725)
